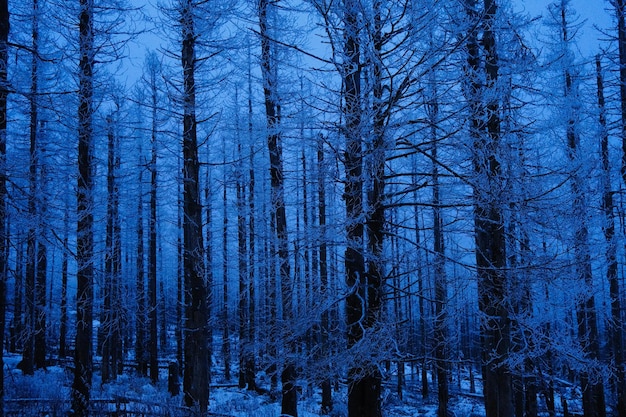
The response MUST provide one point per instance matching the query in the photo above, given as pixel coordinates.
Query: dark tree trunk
(616, 325)
(251, 330)
(364, 379)
(208, 253)
(81, 385)
(140, 315)
(488, 218)
(152, 249)
(289, 403)
(620, 8)
(28, 361)
(64, 272)
(225, 318)
(327, 396)
(110, 325)
(592, 386)
(40, 306)
(180, 297)
(17, 331)
(242, 262)
(441, 292)
(4, 36)
(242, 257)
(196, 366)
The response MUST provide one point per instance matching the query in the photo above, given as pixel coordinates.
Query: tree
(4, 91)
(586, 315)
(83, 367)
(289, 403)
(111, 322)
(616, 336)
(196, 366)
(489, 225)
(152, 226)
(364, 382)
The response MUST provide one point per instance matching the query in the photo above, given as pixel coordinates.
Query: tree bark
(140, 314)
(364, 379)
(616, 329)
(64, 272)
(488, 218)
(591, 385)
(289, 404)
(81, 385)
(327, 398)
(153, 353)
(4, 36)
(225, 318)
(196, 366)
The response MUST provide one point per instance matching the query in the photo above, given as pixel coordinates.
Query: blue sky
(594, 13)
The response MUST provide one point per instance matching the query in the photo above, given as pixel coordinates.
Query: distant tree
(153, 72)
(616, 329)
(586, 314)
(4, 91)
(111, 314)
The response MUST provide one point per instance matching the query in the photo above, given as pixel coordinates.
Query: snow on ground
(54, 384)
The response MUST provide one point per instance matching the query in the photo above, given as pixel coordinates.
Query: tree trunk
(81, 385)
(140, 314)
(251, 330)
(616, 325)
(64, 272)
(364, 379)
(488, 219)
(289, 404)
(196, 366)
(327, 398)
(28, 361)
(243, 301)
(441, 291)
(152, 247)
(225, 319)
(109, 326)
(591, 385)
(4, 36)
(40, 307)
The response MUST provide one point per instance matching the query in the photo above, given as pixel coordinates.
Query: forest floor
(53, 385)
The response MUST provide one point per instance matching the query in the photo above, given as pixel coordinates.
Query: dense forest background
(352, 203)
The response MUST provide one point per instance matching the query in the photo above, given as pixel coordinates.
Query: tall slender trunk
(225, 318)
(81, 385)
(110, 324)
(251, 330)
(289, 403)
(363, 300)
(64, 272)
(4, 36)
(620, 9)
(28, 361)
(242, 257)
(592, 386)
(616, 330)
(327, 399)
(17, 338)
(140, 315)
(208, 258)
(153, 352)
(196, 366)
(488, 218)
(441, 291)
